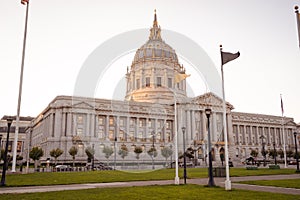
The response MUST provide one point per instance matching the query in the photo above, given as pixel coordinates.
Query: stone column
(203, 126)
(214, 127)
(193, 125)
(69, 125)
(106, 130)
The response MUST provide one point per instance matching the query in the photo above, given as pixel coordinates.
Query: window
(100, 121)
(137, 84)
(80, 119)
(131, 136)
(121, 122)
(111, 135)
(101, 134)
(158, 81)
(170, 85)
(111, 121)
(141, 123)
(149, 123)
(147, 81)
(131, 122)
(79, 131)
(121, 135)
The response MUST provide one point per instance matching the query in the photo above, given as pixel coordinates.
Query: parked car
(62, 167)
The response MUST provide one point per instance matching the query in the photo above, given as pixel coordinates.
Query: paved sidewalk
(202, 181)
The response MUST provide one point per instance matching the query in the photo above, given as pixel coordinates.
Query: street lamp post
(93, 163)
(275, 154)
(211, 182)
(115, 152)
(5, 164)
(263, 148)
(184, 156)
(296, 151)
(153, 135)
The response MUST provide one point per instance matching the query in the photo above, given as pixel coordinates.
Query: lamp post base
(176, 180)
(227, 185)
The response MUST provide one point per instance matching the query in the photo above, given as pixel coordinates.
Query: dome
(153, 74)
(155, 50)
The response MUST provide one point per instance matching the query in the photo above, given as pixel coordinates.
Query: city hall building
(155, 105)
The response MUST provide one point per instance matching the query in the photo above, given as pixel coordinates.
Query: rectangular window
(170, 85)
(158, 81)
(100, 121)
(149, 123)
(79, 131)
(121, 122)
(137, 83)
(111, 121)
(147, 81)
(80, 119)
(131, 122)
(111, 135)
(121, 135)
(141, 123)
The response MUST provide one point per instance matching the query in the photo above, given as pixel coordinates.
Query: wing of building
(156, 86)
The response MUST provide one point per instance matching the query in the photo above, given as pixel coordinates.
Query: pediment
(83, 105)
(211, 99)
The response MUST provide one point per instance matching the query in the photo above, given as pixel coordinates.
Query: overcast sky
(62, 34)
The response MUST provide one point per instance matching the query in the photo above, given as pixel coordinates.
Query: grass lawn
(55, 178)
(153, 192)
(291, 183)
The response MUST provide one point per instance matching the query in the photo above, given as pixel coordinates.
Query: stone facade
(23, 124)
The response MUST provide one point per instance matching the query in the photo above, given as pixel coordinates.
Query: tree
(254, 153)
(90, 153)
(153, 153)
(123, 152)
(272, 153)
(73, 152)
(166, 152)
(35, 154)
(2, 154)
(55, 153)
(138, 150)
(289, 153)
(108, 151)
(280, 153)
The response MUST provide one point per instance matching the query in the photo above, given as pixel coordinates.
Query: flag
(298, 22)
(227, 57)
(180, 77)
(24, 2)
(281, 102)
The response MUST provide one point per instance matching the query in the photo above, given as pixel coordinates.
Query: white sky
(62, 34)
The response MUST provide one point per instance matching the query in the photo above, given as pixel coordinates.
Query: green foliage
(152, 152)
(108, 151)
(289, 153)
(123, 152)
(89, 151)
(55, 153)
(272, 153)
(264, 152)
(36, 153)
(166, 152)
(280, 153)
(254, 153)
(2, 154)
(73, 152)
(138, 150)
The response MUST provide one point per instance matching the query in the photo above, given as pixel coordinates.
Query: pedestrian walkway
(202, 181)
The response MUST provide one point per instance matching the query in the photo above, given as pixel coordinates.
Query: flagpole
(298, 22)
(20, 93)
(175, 141)
(283, 133)
(227, 181)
